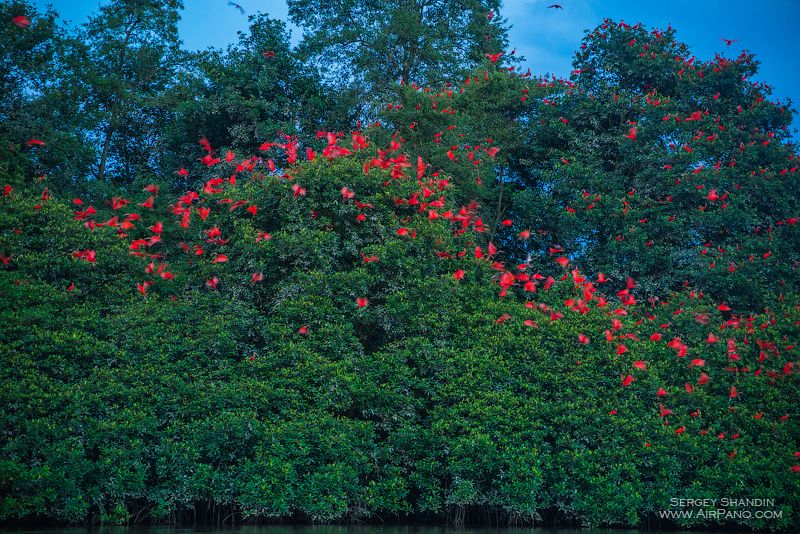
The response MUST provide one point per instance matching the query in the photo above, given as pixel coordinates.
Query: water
(333, 529)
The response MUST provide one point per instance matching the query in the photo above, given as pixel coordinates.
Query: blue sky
(547, 38)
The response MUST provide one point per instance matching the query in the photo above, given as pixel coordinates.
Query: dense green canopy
(507, 300)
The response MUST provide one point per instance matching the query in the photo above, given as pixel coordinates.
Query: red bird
(494, 57)
(503, 318)
(627, 381)
(88, 255)
(298, 191)
(21, 21)
(143, 287)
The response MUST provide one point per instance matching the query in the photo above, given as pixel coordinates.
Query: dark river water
(336, 530)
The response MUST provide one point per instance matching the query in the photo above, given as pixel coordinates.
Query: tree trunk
(104, 155)
(110, 129)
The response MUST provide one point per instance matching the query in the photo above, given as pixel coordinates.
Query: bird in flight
(555, 6)
(237, 6)
(729, 41)
(494, 57)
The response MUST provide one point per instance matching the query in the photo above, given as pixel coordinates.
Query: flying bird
(555, 6)
(729, 41)
(237, 6)
(494, 57)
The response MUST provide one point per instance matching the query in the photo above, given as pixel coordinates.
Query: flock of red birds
(430, 199)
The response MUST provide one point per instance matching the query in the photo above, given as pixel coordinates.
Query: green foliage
(362, 45)
(245, 94)
(396, 323)
(685, 202)
(436, 397)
